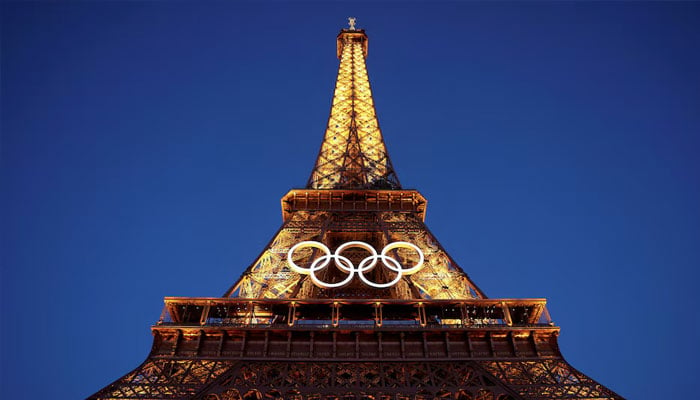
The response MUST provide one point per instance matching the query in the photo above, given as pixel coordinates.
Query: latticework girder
(547, 379)
(357, 380)
(353, 154)
(175, 378)
(233, 363)
(271, 277)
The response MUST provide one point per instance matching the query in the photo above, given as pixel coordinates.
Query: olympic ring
(344, 264)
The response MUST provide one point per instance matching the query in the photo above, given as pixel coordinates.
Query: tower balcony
(369, 314)
(338, 200)
(331, 330)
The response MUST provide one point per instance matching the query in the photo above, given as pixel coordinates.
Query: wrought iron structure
(279, 334)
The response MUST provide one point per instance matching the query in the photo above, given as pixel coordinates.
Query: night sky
(145, 148)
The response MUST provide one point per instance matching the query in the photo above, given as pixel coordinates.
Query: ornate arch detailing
(346, 265)
(272, 276)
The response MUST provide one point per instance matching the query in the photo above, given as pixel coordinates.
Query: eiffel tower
(354, 298)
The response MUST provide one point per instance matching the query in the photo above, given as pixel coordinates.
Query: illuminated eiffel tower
(354, 298)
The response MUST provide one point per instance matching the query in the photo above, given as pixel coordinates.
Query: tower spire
(353, 154)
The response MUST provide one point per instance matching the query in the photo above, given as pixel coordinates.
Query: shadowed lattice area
(547, 379)
(357, 380)
(164, 379)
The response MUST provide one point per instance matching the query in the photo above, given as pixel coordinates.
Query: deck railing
(353, 313)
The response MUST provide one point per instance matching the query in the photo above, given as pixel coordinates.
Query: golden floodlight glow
(353, 175)
(353, 153)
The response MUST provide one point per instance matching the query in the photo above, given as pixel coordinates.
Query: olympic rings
(344, 264)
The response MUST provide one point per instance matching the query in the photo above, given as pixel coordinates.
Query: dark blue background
(145, 147)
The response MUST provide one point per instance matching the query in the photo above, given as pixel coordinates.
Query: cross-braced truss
(165, 379)
(547, 379)
(353, 154)
(356, 380)
(347, 379)
(271, 277)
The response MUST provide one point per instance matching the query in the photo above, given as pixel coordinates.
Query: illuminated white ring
(344, 264)
(405, 245)
(362, 245)
(320, 263)
(317, 245)
(397, 268)
(347, 280)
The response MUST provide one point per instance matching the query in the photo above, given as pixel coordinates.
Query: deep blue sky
(145, 147)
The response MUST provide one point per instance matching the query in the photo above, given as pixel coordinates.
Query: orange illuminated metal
(430, 334)
(353, 154)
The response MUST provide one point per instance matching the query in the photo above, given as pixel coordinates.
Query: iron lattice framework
(279, 333)
(353, 154)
